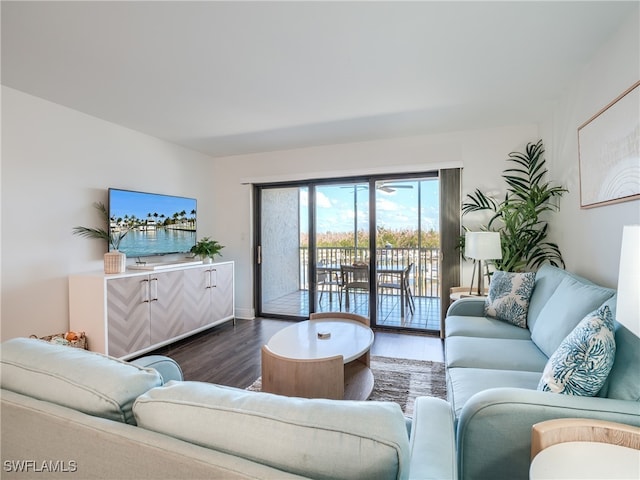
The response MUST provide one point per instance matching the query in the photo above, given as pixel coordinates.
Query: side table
(456, 293)
(585, 460)
(569, 448)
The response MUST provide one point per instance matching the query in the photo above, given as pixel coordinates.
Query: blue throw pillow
(582, 362)
(509, 296)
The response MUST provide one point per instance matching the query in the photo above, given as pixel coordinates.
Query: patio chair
(328, 279)
(344, 315)
(354, 277)
(400, 282)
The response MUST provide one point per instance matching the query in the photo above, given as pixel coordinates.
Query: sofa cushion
(316, 438)
(494, 353)
(548, 278)
(571, 301)
(463, 383)
(583, 360)
(462, 326)
(90, 382)
(509, 296)
(622, 383)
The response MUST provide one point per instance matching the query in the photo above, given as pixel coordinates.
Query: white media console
(127, 314)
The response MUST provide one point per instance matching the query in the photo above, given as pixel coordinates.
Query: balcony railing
(425, 280)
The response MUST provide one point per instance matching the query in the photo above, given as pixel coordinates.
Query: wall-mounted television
(156, 224)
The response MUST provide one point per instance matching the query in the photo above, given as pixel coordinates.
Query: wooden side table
(569, 448)
(456, 293)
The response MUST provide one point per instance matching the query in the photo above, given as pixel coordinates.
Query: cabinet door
(197, 295)
(128, 315)
(222, 291)
(166, 292)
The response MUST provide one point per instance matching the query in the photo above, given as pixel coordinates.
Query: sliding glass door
(407, 253)
(371, 246)
(342, 229)
(281, 273)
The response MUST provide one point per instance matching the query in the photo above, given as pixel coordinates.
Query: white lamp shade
(482, 245)
(628, 306)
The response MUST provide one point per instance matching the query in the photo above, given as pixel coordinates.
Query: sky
(397, 209)
(124, 202)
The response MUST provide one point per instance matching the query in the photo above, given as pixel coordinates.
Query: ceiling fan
(385, 187)
(391, 187)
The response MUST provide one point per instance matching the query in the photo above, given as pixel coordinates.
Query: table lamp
(628, 303)
(481, 246)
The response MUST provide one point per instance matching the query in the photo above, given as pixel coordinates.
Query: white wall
(55, 163)
(590, 238)
(480, 152)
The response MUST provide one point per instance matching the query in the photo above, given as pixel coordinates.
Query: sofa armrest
(467, 307)
(165, 366)
(432, 442)
(494, 427)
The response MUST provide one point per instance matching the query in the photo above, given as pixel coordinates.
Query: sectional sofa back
(560, 300)
(89, 382)
(560, 296)
(315, 438)
(310, 438)
(623, 382)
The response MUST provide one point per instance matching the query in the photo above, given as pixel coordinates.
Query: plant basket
(60, 339)
(115, 262)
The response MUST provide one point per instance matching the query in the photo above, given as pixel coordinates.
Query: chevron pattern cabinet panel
(126, 315)
(197, 294)
(167, 305)
(222, 300)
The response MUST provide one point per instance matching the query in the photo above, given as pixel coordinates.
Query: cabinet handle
(214, 278)
(144, 285)
(154, 282)
(208, 282)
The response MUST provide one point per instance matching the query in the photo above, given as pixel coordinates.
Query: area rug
(401, 380)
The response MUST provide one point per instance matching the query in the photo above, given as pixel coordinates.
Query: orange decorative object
(71, 336)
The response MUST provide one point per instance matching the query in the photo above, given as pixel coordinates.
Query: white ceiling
(238, 77)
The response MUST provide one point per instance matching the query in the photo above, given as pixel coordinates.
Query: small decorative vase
(206, 260)
(115, 262)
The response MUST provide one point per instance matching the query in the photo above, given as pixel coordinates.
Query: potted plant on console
(114, 260)
(207, 249)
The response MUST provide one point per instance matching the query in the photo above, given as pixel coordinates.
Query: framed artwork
(609, 152)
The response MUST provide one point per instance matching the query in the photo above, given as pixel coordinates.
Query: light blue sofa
(66, 411)
(493, 370)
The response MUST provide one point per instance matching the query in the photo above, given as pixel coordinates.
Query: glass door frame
(257, 247)
(312, 259)
(371, 181)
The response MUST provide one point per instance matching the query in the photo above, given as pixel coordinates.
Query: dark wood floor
(226, 354)
(230, 354)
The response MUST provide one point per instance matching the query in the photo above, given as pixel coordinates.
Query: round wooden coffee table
(324, 358)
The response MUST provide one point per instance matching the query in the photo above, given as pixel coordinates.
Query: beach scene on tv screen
(155, 224)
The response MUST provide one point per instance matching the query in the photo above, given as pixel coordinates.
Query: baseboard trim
(245, 313)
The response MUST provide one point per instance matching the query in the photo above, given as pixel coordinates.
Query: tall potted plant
(521, 216)
(114, 260)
